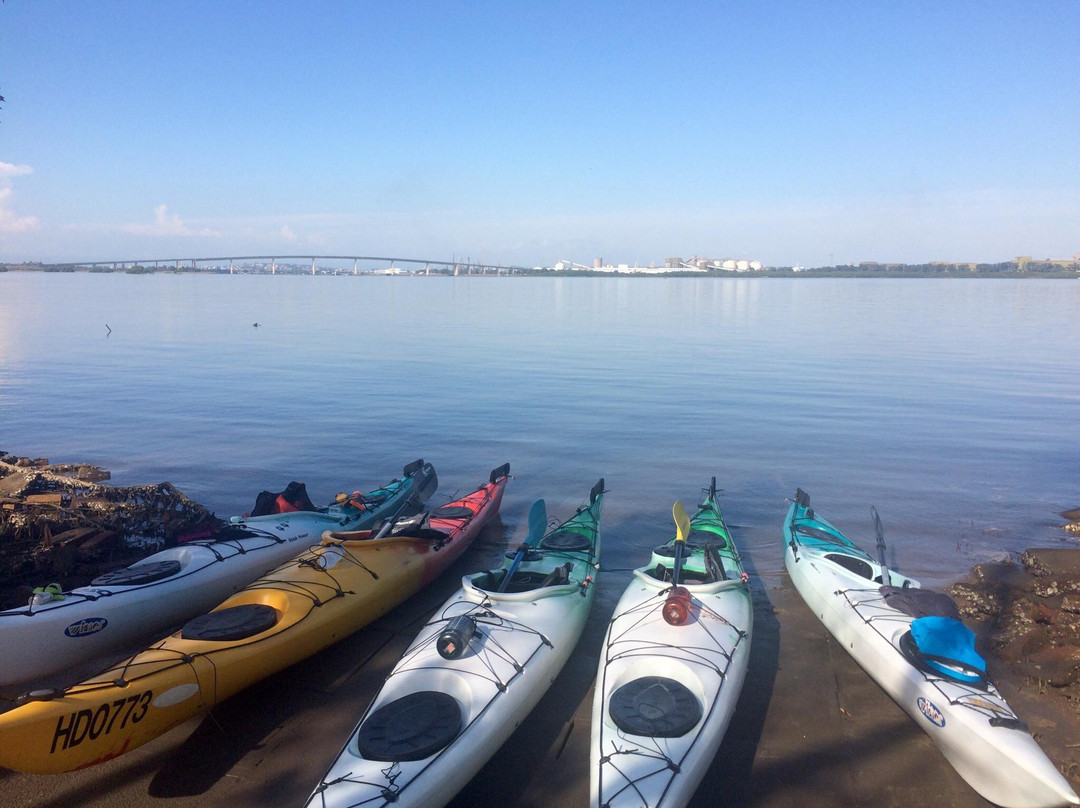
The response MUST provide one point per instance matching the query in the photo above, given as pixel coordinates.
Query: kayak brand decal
(86, 626)
(930, 710)
(175, 695)
(78, 726)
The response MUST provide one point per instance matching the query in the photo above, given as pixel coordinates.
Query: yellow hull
(320, 597)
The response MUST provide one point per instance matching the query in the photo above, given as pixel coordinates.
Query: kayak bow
(672, 667)
(911, 642)
(472, 674)
(301, 607)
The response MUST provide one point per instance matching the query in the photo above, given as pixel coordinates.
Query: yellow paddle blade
(682, 521)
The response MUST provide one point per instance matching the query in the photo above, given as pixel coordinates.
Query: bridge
(385, 264)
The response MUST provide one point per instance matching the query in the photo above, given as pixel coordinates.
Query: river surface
(951, 405)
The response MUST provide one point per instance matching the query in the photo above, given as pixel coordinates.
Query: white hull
(522, 642)
(632, 771)
(60, 642)
(1002, 763)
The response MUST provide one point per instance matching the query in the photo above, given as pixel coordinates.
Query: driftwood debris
(59, 523)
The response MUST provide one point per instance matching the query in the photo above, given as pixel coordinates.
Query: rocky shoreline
(1026, 616)
(58, 523)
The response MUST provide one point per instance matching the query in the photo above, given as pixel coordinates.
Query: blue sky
(812, 132)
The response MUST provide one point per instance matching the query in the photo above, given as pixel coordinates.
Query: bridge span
(373, 264)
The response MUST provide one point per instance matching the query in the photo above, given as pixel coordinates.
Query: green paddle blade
(682, 521)
(537, 522)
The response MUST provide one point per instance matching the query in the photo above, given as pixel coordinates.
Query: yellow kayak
(303, 606)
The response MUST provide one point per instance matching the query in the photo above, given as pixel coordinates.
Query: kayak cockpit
(702, 564)
(490, 581)
(413, 527)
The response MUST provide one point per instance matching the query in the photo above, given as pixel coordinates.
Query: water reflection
(951, 405)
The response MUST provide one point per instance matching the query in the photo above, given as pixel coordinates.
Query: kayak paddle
(537, 528)
(880, 547)
(682, 530)
(412, 498)
(677, 606)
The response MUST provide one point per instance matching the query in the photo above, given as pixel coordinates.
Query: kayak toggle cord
(500, 668)
(319, 593)
(980, 696)
(631, 783)
(717, 658)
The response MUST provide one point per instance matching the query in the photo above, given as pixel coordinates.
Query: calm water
(950, 405)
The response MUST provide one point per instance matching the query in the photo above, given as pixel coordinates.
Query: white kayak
(672, 667)
(911, 642)
(473, 673)
(57, 640)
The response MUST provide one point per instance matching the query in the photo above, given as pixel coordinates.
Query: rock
(1051, 561)
(58, 523)
(1073, 514)
(14, 483)
(1046, 588)
(975, 603)
(92, 474)
(1071, 603)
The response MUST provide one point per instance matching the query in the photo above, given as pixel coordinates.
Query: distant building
(674, 264)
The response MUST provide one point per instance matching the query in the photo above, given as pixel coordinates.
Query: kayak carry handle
(597, 491)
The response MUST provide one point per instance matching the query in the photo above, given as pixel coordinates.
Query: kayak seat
(655, 707)
(693, 552)
(944, 647)
(233, 623)
(138, 574)
(567, 541)
(852, 564)
(692, 577)
(525, 581)
(488, 580)
(560, 576)
(915, 602)
(413, 727)
(406, 524)
(429, 533)
(418, 527)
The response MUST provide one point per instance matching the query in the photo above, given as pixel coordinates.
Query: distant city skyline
(783, 133)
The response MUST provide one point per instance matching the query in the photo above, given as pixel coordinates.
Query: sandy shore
(811, 729)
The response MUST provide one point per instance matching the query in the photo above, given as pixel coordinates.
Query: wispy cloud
(287, 233)
(11, 170)
(11, 222)
(167, 224)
